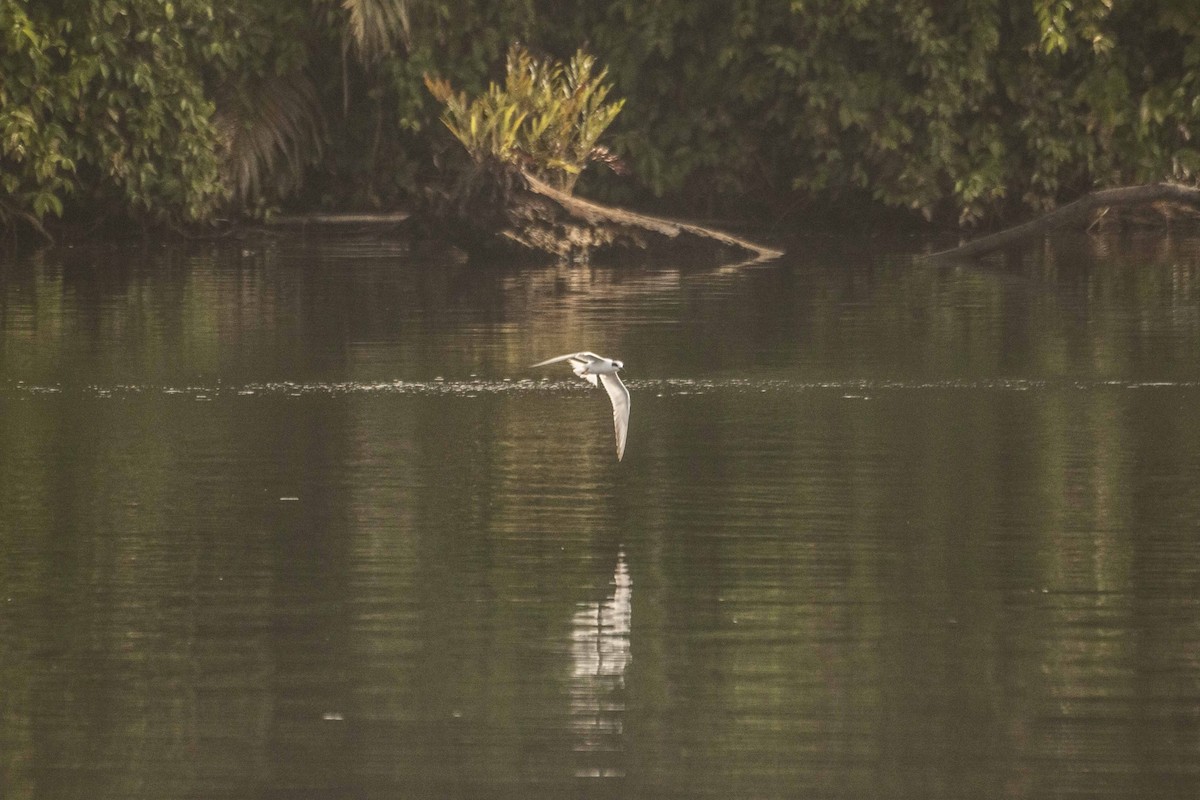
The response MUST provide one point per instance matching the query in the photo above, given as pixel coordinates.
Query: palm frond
(375, 25)
(270, 130)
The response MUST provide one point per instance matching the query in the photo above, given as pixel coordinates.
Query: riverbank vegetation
(180, 112)
(546, 118)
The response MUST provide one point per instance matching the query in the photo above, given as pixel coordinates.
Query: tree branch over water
(1074, 213)
(503, 211)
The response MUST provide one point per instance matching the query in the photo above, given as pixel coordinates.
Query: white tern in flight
(596, 370)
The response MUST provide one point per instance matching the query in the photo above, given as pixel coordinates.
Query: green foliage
(1061, 22)
(106, 101)
(271, 129)
(547, 118)
(487, 126)
(268, 115)
(373, 26)
(955, 110)
(963, 110)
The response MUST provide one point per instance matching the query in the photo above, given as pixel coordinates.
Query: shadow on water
(293, 518)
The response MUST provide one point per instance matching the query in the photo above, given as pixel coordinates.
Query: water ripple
(851, 389)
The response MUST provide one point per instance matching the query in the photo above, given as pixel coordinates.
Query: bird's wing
(554, 360)
(584, 356)
(620, 403)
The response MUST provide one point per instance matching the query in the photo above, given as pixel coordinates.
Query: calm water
(292, 518)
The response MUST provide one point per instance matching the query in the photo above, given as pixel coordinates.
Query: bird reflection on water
(600, 655)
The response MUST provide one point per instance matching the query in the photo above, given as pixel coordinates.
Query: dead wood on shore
(1079, 212)
(505, 211)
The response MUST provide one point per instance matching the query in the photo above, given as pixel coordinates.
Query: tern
(598, 370)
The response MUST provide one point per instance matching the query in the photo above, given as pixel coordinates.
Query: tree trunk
(1079, 211)
(500, 210)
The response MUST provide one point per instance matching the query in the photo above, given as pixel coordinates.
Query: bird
(598, 370)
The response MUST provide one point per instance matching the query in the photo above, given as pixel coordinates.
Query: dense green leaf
(177, 110)
(547, 118)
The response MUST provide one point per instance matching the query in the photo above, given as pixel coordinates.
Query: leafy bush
(547, 118)
(960, 110)
(106, 101)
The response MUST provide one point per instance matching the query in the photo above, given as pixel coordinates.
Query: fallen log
(502, 210)
(364, 218)
(1076, 212)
